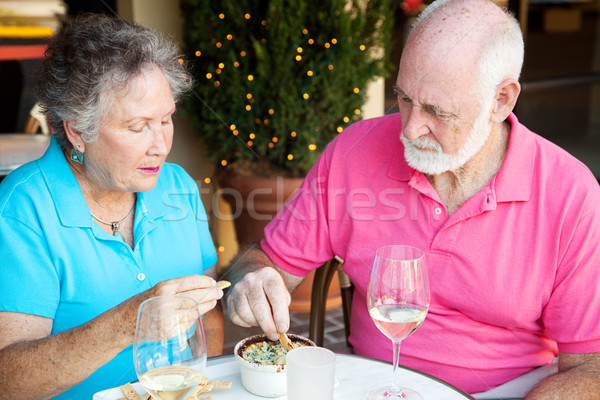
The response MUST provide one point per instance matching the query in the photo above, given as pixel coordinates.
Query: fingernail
(282, 328)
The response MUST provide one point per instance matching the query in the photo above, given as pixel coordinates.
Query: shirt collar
(69, 202)
(513, 181)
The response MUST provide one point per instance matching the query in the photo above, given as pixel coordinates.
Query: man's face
(443, 125)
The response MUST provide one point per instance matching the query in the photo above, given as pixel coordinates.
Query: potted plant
(277, 80)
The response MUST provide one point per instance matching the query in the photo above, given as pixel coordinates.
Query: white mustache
(422, 143)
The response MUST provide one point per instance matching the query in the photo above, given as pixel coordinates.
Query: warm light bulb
(217, 83)
(249, 96)
(311, 41)
(357, 111)
(327, 45)
(250, 78)
(221, 65)
(243, 53)
(330, 67)
(221, 249)
(305, 31)
(271, 111)
(236, 64)
(207, 180)
(219, 44)
(356, 90)
(309, 73)
(236, 132)
(223, 162)
(222, 16)
(340, 129)
(346, 119)
(208, 76)
(229, 37)
(298, 58)
(248, 108)
(299, 50)
(362, 47)
(247, 15)
(252, 136)
(293, 134)
(334, 40)
(274, 139)
(180, 61)
(290, 157)
(232, 127)
(312, 147)
(198, 53)
(250, 143)
(305, 96)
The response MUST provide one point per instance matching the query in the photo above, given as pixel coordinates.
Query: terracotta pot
(254, 202)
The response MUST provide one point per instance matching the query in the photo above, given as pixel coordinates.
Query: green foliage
(343, 43)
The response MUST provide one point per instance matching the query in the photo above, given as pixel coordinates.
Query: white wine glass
(169, 350)
(398, 300)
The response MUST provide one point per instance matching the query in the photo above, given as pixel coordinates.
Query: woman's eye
(137, 128)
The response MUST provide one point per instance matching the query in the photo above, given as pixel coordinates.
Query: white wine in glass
(169, 350)
(398, 300)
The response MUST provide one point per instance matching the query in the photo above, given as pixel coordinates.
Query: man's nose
(414, 123)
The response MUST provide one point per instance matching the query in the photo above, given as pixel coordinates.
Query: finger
(279, 299)
(236, 310)
(191, 282)
(261, 309)
(205, 307)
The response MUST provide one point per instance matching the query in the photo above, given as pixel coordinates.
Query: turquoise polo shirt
(58, 263)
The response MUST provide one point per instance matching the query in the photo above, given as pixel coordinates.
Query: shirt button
(438, 211)
(141, 276)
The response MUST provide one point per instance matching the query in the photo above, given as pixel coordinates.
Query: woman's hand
(201, 288)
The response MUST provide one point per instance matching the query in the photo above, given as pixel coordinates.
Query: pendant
(119, 236)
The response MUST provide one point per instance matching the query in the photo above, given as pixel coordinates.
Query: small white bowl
(259, 379)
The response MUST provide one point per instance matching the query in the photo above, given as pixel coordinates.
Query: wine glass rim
(187, 301)
(418, 251)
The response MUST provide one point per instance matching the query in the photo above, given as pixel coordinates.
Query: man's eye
(403, 99)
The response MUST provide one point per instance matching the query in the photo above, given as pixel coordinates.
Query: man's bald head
(470, 37)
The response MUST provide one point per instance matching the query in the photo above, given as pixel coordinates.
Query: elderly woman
(100, 223)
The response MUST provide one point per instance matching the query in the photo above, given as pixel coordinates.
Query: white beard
(436, 162)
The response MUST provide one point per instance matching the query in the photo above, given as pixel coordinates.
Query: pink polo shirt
(514, 273)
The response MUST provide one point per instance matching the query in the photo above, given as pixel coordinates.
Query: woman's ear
(74, 136)
(507, 94)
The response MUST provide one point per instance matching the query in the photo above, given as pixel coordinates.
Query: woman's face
(135, 136)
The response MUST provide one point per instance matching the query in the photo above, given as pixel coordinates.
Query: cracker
(285, 341)
(223, 284)
(129, 392)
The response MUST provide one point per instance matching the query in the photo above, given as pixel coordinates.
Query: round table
(355, 376)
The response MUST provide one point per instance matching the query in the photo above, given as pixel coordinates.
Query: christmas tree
(277, 80)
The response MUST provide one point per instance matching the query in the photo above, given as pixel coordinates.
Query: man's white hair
(502, 54)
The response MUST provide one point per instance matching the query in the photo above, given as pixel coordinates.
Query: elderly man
(510, 223)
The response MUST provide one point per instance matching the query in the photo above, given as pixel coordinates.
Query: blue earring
(77, 156)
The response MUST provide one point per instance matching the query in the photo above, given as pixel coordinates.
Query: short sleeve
(298, 239)
(28, 280)
(571, 315)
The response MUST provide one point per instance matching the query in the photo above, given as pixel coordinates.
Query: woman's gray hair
(92, 57)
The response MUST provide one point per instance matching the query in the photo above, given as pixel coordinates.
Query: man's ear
(506, 97)
(74, 136)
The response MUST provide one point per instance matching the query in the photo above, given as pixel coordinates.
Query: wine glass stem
(395, 388)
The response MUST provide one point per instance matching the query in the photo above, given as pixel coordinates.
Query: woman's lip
(150, 170)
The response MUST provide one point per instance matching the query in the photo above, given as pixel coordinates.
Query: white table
(20, 148)
(356, 375)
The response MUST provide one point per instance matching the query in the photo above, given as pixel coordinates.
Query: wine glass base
(385, 393)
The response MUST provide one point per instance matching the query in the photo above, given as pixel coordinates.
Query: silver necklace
(115, 225)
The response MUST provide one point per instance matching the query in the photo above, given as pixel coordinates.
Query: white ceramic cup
(310, 373)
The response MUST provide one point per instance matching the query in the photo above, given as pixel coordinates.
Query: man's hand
(260, 294)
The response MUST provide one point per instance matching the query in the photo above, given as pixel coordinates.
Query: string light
(243, 53)
(208, 76)
(221, 16)
(305, 96)
(298, 58)
(266, 122)
(218, 71)
(248, 108)
(250, 143)
(356, 90)
(357, 111)
(235, 132)
(339, 129)
(299, 50)
(305, 31)
(219, 44)
(198, 53)
(327, 45)
(223, 162)
(311, 41)
(271, 111)
(312, 147)
(217, 83)
(330, 67)
(334, 40)
(247, 15)
(221, 65)
(252, 136)
(362, 47)
(290, 157)
(309, 73)
(271, 145)
(250, 78)
(275, 139)
(236, 64)
(263, 22)
(293, 134)
(346, 119)
(207, 180)
(180, 61)
(229, 37)
(221, 249)
(232, 127)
